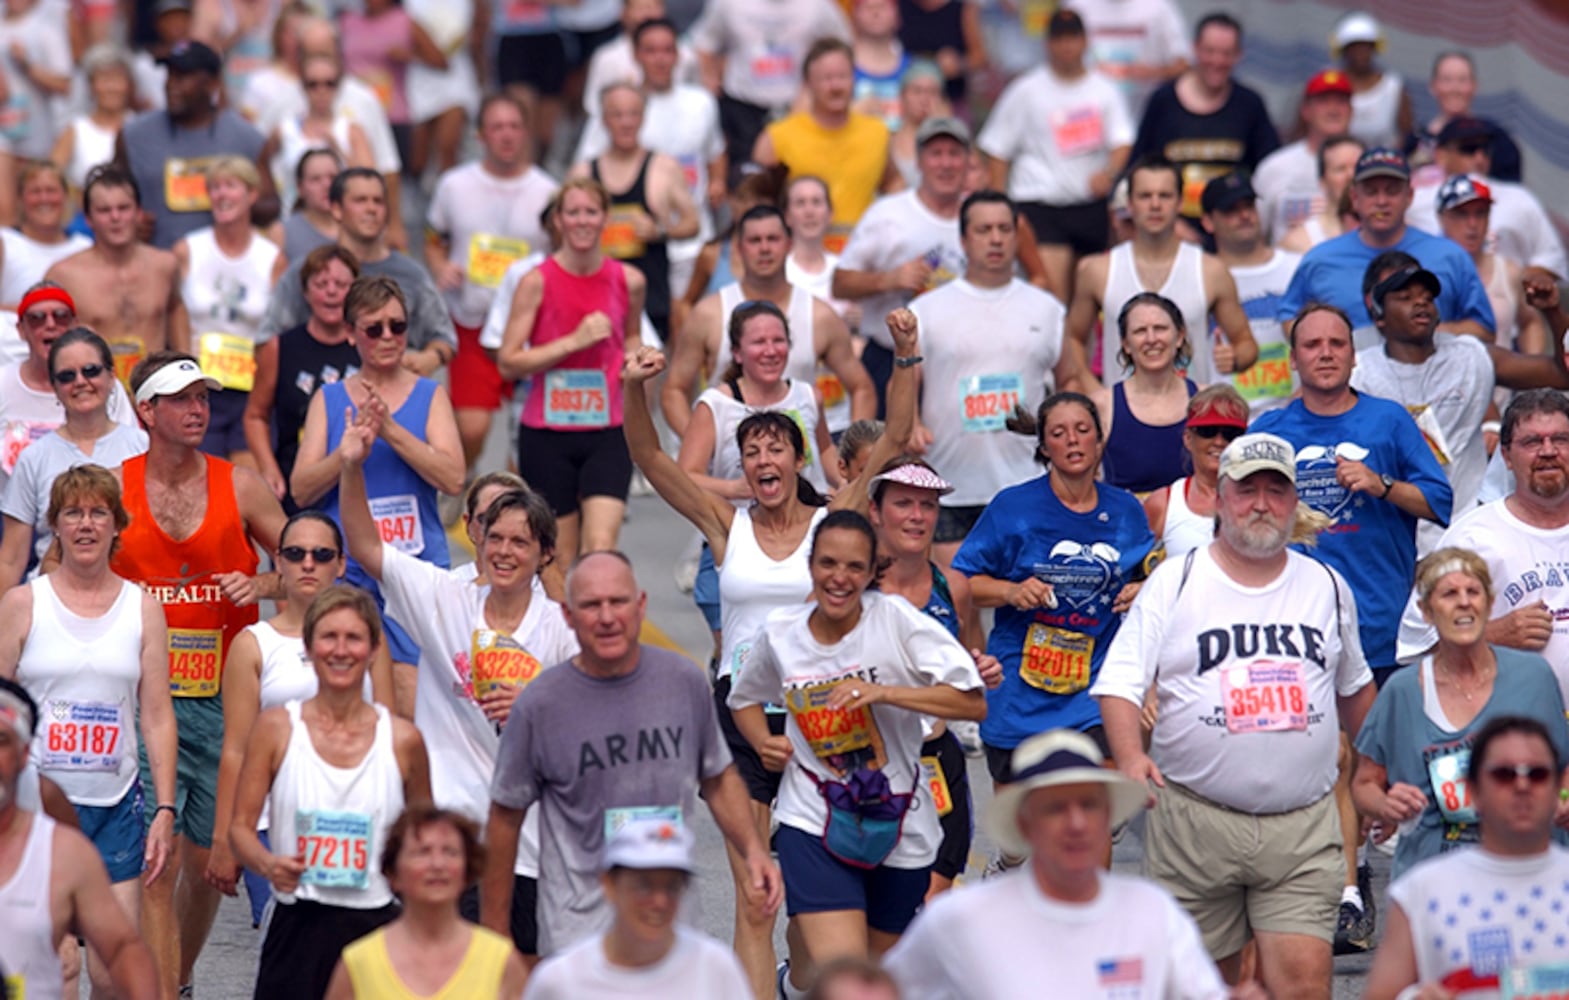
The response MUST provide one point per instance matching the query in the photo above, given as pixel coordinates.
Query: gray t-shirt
(428, 317)
(169, 164)
(595, 753)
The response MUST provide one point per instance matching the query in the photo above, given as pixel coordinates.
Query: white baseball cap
(173, 378)
(1258, 452)
(650, 843)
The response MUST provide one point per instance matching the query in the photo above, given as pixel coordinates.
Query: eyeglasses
(392, 328)
(39, 320)
(1534, 442)
(321, 84)
(1535, 774)
(1211, 431)
(76, 515)
(67, 376)
(297, 553)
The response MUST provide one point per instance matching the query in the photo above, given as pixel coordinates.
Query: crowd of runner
(1035, 400)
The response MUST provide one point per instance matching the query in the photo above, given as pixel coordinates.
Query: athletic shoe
(780, 972)
(1346, 941)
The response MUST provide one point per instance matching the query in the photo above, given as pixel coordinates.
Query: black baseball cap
(1064, 22)
(1400, 279)
(1465, 130)
(193, 57)
(1224, 193)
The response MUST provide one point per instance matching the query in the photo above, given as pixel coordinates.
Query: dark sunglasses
(68, 375)
(320, 84)
(1210, 431)
(297, 554)
(1473, 148)
(393, 328)
(61, 317)
(1536, 774)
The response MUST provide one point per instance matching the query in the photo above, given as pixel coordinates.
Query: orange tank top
(182, 575)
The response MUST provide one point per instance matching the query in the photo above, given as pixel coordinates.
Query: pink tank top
(583, 391)
(366, 42)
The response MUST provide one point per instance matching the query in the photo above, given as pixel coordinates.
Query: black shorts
(761, 783)
(302, 943)
(741, 122)
(1084, 228)
(958, 826)
(566, 466)
(953, 523)
(538, 62)
(525, 912)
(878, 362)
(581, 45)
(999, 760)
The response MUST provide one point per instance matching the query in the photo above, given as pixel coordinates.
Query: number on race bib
(195, 662)
(986, 400)
(576, 397)
(1264, 696)
(335, 846)
(1056, 660)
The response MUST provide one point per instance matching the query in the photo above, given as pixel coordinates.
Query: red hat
(1329, 81)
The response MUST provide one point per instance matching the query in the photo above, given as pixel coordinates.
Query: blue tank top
(722, 274)
(403, 504)
(939, 604)
(1140, 457)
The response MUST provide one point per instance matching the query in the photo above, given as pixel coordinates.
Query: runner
(1147, 402)
(1182, 515)
(334, 772)
(40, 239)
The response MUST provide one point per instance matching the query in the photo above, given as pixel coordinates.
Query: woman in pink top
(573, 319)
(378, 46)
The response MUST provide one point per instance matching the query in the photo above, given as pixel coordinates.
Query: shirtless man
(1157, 260)
(817, 334)
(126, 290)
(53, 881)
(195, 523)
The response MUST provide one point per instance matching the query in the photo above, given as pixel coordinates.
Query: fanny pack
(865, 816)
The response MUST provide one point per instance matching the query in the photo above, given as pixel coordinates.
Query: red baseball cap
(1329, 81)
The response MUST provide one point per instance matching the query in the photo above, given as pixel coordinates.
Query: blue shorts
(257, 889)
(200, 724)
(399, 644)
(705, 589)
(118, 833)
(817, 882)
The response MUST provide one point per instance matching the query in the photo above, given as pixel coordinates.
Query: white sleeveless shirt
(84, 673)
(1375, 113)
(91, 144)
(1184, 286)
(27, 949)
(802, 366)
(800, 403)
(227, 294)
(751, 585)
(1184, 529)
(338, 816)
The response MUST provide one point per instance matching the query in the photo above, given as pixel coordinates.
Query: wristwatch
(1389, 484)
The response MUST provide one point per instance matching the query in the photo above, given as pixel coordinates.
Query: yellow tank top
(478, 975)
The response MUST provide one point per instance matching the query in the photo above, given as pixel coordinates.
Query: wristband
(909, 362)
(160, 808)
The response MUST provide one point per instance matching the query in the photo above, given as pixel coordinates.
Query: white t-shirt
(897, 229)
(893, 643)
(1527, 564)
(1518, 226)
(489, 223)
(1126, 33)
(26, 495)
(28, 414)
(1447, 395)
(697, 967)
(1056, 133)
(27, 261)
(1270, 381)
(1475, 912)
(764, 42)
(1225, 653)
(972, 380)
(446, 617)
(1003, 938)
(1286, 183)
(613, 62)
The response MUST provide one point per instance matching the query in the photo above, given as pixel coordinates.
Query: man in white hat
(1060, 919)
(1259, 663)
(645, 952)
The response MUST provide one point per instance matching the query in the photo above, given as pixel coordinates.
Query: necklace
(1483, 680)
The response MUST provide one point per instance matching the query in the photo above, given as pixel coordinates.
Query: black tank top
(1142, 457)
(653, 262)
(305, 364)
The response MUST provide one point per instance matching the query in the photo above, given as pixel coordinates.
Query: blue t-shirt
(1417, 751)
(1087, 558)
(1332, 272)
(1372, 542)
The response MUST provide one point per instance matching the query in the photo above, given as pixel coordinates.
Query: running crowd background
(994, 351)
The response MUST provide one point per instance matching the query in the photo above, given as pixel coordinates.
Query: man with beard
(1259, 663)
(1521, 537)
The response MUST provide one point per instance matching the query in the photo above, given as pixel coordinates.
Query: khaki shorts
(1235, 873)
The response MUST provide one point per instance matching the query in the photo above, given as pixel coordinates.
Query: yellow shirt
(851, 158)
(478, 975)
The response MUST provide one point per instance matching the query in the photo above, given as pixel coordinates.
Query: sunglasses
(297, 554)
(1534, 774)
(68, 376)
(320, 84)
(392, 328)
(38, 320)
(1211, 431)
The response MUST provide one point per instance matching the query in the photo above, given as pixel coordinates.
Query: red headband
(48, 293)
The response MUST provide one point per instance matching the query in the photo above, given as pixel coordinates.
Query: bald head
(318, 38)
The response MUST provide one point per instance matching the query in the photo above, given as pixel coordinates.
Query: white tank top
(337, 816)
(27, 948)
(226, 294)
(91, 144)
(800, 403)
(1314, 227)
(802, 366)
(1184, 530)
(293, 144)
(84, 672)
(751, 584)
(27, 261)
(1184, 286)
(1505, 299)
(1376, 112)
(835, 401)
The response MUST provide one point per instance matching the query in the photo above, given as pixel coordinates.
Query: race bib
(15, 986)
(18, 435)
(1451, 791)
(230, 358)
(986, 400)
(931, 773)
(691, 168)
(379, 80)
(1269, 377)
(1536, 982)
(16, 117)
(1077, 130)
(772, 66)
(619, 238)
(398, 520)
(1264, 696)
(576, 397)
(1056, 660)
(491, 255)
(336, 848)
(830, 388)
(1033, 15)
(615, 819)
(498, 659)
(82, 736)
(524, 13)
(185, 184)
(830, 731)
(127, 353)
(195, 662)
(738, 657)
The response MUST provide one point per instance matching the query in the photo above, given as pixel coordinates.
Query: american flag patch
(1119, 971)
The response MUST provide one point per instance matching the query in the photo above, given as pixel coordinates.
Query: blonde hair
(236, 167)
(1451, 559)
(584, 184)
